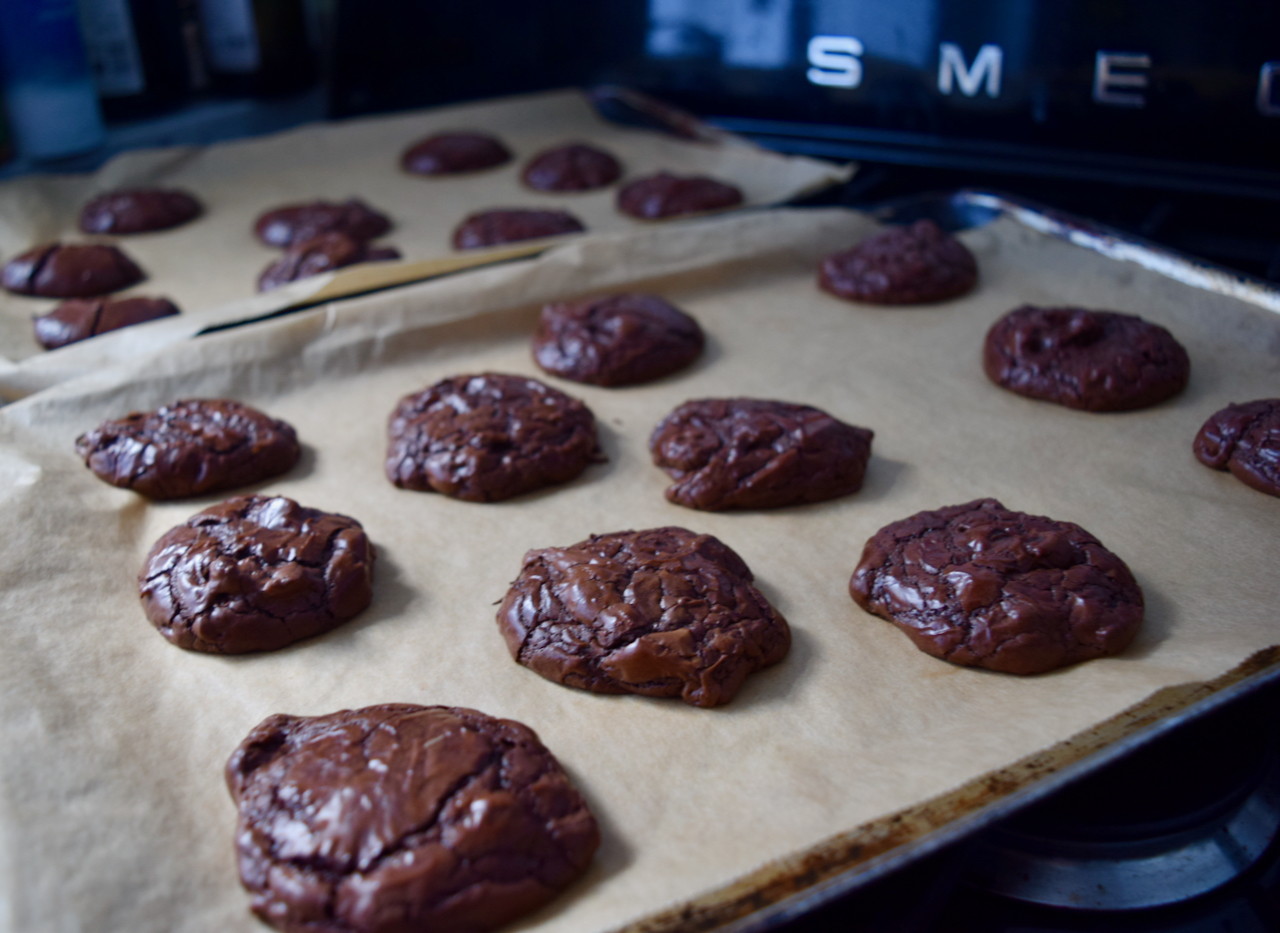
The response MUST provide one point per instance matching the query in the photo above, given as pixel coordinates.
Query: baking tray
(820, 738)
(210, 267)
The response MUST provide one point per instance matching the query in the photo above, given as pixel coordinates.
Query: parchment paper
(216, 259)
(114, 816)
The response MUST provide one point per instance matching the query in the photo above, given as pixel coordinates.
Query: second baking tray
(210, 266)
(124, 736)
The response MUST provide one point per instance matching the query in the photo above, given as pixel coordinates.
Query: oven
(1133, 123)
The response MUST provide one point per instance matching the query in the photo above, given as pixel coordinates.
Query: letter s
(835, 61)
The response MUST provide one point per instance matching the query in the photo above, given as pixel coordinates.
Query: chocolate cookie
(398, 817)
(297, 223)
(667, 195)
(983, 586)
(575, 167)
(1094, 360)
(615, 340)
(453, 153)
(662, 613)
(256, 573)
(189, 448)
(82, 318)
(488, 437)
(55, 270)
(489, 228)
(743, 453)
(901, 265)
(1244, 439)
(138, 210)
(321, 254)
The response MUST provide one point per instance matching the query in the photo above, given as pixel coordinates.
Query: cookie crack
(401, 842)
(699, 626)
(38, 267)
(159, 439)
(1241, 436)
(98, 308)
(317, 864)
(525, 795)
(185, 434)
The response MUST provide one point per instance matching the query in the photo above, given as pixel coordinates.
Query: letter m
(953, 70)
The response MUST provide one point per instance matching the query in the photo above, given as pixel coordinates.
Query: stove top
(1181, 836)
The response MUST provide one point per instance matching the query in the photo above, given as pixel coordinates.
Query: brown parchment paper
(210, 267)
(113, 815)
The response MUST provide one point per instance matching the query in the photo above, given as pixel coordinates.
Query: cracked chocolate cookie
(256, 573)
(81, 318)
(984, 586)
(615, 340)
(55, 270)
(454, 153)
(403, 818)
(297, 223)
(189, 448)
(490, 228)
(662, 613)
(665, 195)
(575, 167)
(1092, 360)
(488, 437)
(1244, 439)
(321, 254)
(138, 210)
(916, 264)
(742, 453)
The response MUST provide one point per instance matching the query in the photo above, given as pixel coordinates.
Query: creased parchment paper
(114, 815)
(210, 267)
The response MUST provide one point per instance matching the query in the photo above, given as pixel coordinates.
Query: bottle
(258, 47)
(49, 92)
(137, 51)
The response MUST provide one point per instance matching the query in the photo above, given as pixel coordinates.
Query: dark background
(1196, 169)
